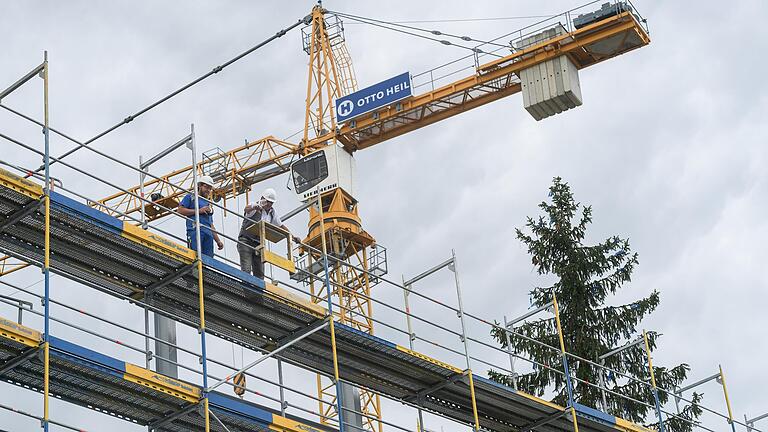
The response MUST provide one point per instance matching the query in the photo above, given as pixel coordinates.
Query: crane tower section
(327, 170)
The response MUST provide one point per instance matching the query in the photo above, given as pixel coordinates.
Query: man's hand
(296, 240)
(219, 244)
(206, 210)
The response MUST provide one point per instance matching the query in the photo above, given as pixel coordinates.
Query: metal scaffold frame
(349, 351)
(42, 72)
(406, 287)
(409, 314)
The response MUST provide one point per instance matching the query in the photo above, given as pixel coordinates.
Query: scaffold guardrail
(152, 269)
(400, 372)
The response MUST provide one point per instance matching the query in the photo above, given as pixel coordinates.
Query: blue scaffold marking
(81, 210)
(594, 414)
(233, 272)
(86, 357)
(343, 327)
(238, 407)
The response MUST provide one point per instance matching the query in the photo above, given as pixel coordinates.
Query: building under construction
(315, 310)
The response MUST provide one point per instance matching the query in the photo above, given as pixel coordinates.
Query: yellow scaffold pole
(568, 385)
(46, 382)
(207, 415)
(200, 285)
(47, 259)
(46, 344)
(727, 400)
(330, 313)
(202, 330)
(474, 401)
(653, 381)
(454, 266)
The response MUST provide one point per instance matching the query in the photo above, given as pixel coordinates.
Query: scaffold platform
(126, 391)
(117, 257)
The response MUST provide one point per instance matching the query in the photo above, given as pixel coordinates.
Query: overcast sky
(668, 148)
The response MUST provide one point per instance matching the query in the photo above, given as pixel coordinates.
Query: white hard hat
(206, 180)
(269, 195)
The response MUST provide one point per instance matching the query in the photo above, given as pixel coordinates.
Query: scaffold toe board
(119, 258)
(126, 391)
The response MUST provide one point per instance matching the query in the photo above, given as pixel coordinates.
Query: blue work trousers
(206, 242)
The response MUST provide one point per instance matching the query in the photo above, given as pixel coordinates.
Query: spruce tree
(584, 276)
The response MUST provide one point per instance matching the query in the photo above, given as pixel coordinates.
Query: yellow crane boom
(586, 46)
(238, 169)
(268, 157)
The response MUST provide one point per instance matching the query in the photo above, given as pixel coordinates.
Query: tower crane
(543, 66)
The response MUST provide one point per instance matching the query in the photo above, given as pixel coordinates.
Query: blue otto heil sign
(373, 97)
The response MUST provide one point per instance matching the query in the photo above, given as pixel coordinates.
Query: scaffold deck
(117, 257)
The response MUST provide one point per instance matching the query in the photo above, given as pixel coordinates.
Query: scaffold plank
(19, 333)
(21, 185)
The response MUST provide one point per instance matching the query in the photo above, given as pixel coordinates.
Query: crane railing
(585, 46)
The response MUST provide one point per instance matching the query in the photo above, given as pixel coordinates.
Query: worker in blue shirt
(207, 230)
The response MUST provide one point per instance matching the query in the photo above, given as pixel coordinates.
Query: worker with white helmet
(263, 210)
(207, 230)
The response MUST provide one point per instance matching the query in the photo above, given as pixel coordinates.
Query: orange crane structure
(331, 76)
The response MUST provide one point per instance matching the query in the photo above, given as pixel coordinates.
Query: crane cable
(475, 50)
(394, 27)
(424, 30)
(306, 20)
(464, 38)
(509, 18)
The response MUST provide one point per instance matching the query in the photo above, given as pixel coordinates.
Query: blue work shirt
(205, 219)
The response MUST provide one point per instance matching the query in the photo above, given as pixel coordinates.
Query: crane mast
(345, 238)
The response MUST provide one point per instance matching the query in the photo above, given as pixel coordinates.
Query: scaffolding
(129, 258)
(121, 259)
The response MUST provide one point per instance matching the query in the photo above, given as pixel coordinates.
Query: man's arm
(279, 222)
(184, 210)
(295, 238)
(251, 207)
(190, 212)
(219, 243)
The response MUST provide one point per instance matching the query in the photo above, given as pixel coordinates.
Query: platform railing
(433, 343)
(492, 325)
(509, 42)
(193, 355)
(468, 340)
(134, 348)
